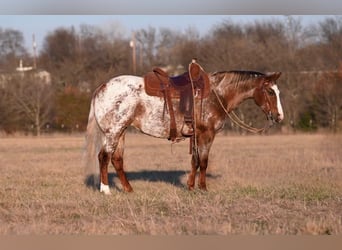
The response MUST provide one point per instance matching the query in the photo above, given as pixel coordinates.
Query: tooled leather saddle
(185, 87)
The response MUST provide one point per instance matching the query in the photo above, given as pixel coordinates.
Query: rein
(233, 117)
(193, 139)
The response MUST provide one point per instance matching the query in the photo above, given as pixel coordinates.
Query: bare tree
(327, 103)
(89, 55)
(31, 99)
(325, 53)
(11, 48)
(8, 119)
(221, 50)
(147, 38)
(186, 47)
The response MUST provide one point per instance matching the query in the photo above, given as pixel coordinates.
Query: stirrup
(187, 129)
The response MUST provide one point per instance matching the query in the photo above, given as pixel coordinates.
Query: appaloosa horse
(122, 102)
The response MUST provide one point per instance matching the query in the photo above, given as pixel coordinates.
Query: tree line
(79, 59)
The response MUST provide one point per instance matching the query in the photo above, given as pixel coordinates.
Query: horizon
(42, 25)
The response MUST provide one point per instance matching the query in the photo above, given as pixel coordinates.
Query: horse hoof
(203, 188)
(128, 189)
(104, 189)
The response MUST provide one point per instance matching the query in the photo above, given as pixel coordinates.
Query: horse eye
(270, 92)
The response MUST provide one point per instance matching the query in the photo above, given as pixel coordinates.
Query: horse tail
(94, 141)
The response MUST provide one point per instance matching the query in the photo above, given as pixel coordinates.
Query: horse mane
(240, 78)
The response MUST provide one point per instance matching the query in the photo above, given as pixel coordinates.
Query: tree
(72, 109)
(327, 103)
(186, 47)
(219, 49)
(31, 100)
(324, 52)
(59, 46)
(88, 56)
(147, 39)
(11, 48)
(101, 55)
(8, 119)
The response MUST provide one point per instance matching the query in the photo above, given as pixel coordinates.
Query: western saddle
(185, 87)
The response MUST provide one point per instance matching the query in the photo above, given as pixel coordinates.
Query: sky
(41, 25)
(170, 7)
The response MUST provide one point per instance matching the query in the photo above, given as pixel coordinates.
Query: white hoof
(104, 189)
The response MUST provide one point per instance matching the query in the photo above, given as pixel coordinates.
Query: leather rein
(234, 118)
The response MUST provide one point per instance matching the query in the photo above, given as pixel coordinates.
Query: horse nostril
(280, 117)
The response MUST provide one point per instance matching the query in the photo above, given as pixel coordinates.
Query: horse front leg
(117, 161)
(203, 164)
(192, 175)
(200, 159)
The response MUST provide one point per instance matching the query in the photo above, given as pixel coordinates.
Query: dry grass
(257, 185)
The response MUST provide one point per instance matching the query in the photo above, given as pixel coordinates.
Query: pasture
(258, 185)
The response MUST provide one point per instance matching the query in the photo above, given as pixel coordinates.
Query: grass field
(278, 184)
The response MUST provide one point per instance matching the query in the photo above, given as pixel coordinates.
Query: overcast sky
(170, 7)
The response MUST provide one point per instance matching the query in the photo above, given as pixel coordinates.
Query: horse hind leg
(117, 161)
(104, 158)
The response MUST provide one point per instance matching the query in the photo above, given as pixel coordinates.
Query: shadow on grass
(172, 177)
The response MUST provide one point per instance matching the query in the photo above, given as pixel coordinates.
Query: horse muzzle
(274, 118)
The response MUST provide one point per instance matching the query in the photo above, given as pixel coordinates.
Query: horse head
(267, 96)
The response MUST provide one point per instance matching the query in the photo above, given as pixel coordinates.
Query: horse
(123, 102)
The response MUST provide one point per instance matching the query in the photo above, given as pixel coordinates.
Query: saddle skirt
(158, 80)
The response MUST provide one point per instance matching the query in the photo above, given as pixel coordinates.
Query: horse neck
(232, 94)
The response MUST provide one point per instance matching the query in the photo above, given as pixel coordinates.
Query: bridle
(267, 104)
(234, 118)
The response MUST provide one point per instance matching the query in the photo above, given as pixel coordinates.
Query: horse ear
(272, 76)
